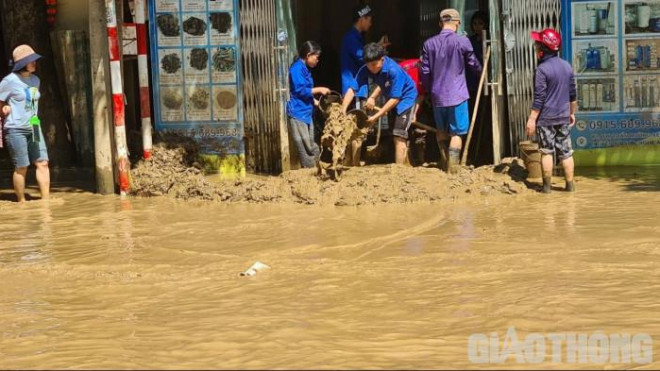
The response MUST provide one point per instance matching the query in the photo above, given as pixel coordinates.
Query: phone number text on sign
(206, 132)
(583, 125)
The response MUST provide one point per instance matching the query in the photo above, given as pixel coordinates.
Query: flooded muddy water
(100, 282)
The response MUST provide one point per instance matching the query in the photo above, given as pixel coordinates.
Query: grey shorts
(555, 138)
(402, 124)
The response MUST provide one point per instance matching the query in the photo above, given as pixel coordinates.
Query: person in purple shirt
(553, 111)
(444, 59)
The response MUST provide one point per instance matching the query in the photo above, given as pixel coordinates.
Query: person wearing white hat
(19, 99)
(445, 58)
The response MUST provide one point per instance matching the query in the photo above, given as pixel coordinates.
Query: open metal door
(519, 17)
(264, 84)
(495, 80)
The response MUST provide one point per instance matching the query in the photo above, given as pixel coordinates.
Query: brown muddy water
(100, 282)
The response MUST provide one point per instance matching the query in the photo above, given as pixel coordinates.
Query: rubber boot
(454, 160)
(419, 147)
(444, 160)
(547, 184)
(570, 186)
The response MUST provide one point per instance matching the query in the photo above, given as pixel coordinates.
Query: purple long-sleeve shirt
(554, 90)
(444, 58)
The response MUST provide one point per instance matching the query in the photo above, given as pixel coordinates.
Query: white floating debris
(255, 268)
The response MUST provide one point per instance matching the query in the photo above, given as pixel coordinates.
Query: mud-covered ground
(173, 173)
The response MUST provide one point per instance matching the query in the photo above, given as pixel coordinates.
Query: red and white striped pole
(143, 73)
(117, 98)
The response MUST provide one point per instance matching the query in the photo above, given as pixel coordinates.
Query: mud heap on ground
(172, 172)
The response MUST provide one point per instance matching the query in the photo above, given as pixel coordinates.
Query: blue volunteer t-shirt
(393, 81)
(22, 95)
(351, 60)
(301, 99)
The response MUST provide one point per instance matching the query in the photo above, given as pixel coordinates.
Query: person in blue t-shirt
(395, 85)
(351, 47)
(19, 99)
(300, 106)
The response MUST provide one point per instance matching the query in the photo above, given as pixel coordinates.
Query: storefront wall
(614, 47)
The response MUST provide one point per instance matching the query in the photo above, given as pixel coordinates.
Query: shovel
(418, 124)
(362, 118)
(362, 115)
(476, 106)
(443, 154)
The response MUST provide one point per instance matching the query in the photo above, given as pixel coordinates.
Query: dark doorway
(407, 23)
(327, 21)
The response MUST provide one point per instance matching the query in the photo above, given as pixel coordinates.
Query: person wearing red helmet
(553, 111)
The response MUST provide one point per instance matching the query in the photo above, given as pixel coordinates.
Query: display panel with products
(196, 84)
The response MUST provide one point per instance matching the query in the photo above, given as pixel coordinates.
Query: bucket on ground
(529, 151)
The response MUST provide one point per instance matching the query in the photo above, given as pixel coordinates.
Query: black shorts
(555, 138)
(402, 123)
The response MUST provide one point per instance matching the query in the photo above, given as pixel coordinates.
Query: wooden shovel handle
(418, 124)
(476, 105)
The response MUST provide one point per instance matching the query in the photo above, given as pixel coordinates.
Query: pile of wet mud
(173, 172)
(396, 184)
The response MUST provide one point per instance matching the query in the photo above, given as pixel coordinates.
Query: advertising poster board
(614, 47)
(195, 65)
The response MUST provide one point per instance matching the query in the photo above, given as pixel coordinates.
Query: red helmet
(548, 37)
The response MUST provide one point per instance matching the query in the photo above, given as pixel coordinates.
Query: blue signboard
(196, 64)
(614, 47)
